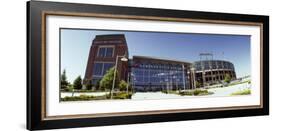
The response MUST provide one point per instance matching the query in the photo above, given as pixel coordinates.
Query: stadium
(148, 73)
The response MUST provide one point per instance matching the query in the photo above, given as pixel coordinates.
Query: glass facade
(157, 76)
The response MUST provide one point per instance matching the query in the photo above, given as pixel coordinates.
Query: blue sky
(75, 46)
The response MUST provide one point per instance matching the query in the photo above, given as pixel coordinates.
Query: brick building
(102, 56)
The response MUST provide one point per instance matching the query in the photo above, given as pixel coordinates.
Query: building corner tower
(103, 55)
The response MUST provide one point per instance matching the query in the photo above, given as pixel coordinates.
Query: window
(105, 52)
(226, 65)
(231, 66)
(106, 67)
(198, 66)
(101, 68)
(206, 65)
(219, 64)
(146, 73)
(101, 52)
(98, 69)
(214, 65)
(146, 79)
(109, 52)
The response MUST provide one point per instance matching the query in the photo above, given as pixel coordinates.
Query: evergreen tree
(64, 82)
(89, 85)
(77, 84)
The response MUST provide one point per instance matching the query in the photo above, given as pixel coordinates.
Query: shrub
(164, 91)
(97, 85)
(123, 85)
(197, 84)
(83, 98)
(121, 95)
(227, 78)
(89, 86)
(69, 89)
(170, 92)
(186, 93)
(200, 92)
(242, 92)
(196, 92)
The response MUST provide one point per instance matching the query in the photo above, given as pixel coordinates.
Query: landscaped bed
(196, 92)
(119, 95)
(242, 92)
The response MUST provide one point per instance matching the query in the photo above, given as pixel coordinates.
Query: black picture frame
(35, 76)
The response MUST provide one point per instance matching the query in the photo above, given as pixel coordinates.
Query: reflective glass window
(98, 69)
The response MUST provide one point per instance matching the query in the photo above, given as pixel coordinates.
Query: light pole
(193, 77)
(127, 86)
(132, 81)
(167, 84)
(183, 76)
(115, 70)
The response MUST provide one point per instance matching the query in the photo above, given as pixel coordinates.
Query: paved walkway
(225, 91)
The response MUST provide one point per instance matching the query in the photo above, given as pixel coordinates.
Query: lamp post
(193, 77)
(132, 81)
(183, 79)
(127, 86)
(167, 84)
(115, 70)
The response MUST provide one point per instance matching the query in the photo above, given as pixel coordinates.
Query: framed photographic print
(96, 65)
